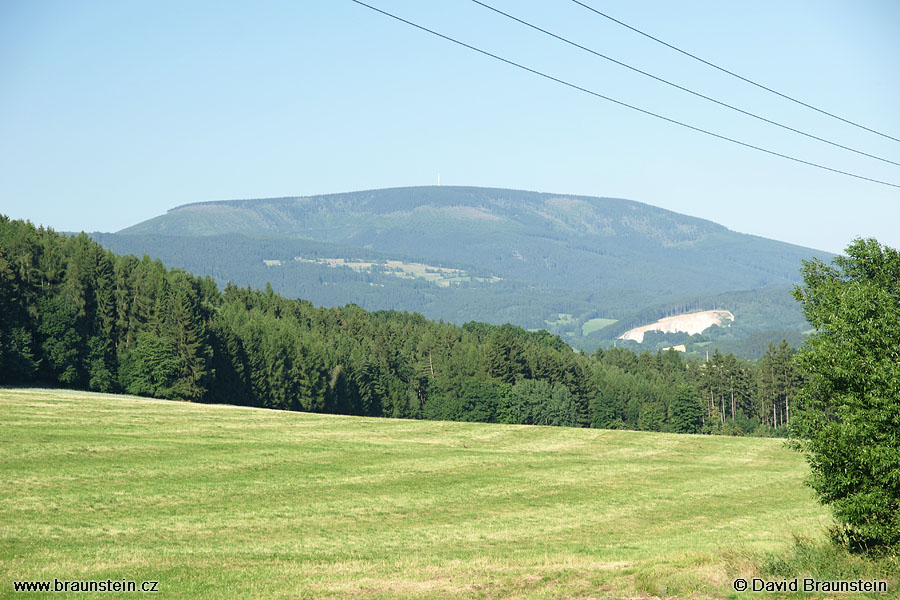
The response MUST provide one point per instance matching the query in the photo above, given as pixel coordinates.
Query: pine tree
(62, 348)
(151, 367)
(101, 363)
(686, 412)
(17, 360)
(180, 322)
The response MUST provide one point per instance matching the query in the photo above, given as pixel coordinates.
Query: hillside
(228, 502)
(567, 241)
(153, 331)
(691, 323)
(552, 254)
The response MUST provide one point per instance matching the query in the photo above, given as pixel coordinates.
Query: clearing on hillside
(689, 323)
(230, 502)
(595, 324)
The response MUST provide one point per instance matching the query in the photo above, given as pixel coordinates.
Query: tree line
(73, 314)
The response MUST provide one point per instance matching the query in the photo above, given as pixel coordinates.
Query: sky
(114, 112)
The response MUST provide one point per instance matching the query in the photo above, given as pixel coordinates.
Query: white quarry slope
(690, 323)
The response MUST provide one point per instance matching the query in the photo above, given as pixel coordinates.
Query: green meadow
(228, 502)
(595, 324)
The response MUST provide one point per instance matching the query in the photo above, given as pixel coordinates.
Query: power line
(619, 102)
(682, 88)
(733, 74)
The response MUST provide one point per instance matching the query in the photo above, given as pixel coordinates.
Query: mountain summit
(573, 242)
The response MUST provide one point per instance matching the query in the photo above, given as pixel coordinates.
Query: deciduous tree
(848, 424)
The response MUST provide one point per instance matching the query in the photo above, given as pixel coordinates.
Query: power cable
(619, 102)
(733, 74)
(682, 88)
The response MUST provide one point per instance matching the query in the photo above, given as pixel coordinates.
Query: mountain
(463, 253)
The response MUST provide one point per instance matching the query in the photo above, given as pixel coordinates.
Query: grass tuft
(824, 560)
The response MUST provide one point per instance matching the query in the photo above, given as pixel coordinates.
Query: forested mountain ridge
(77, 315)
(491, 208)
(571, 242)
(560, 262)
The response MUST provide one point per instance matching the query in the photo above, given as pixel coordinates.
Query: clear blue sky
(113, 112)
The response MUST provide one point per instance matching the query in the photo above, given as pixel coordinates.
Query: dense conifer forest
(73, 314)
(762, 315)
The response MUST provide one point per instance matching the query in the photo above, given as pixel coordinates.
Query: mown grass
(229, 502)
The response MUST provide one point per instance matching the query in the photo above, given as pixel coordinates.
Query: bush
(850, 402)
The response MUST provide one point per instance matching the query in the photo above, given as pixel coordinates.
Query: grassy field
(228, 502)
(442, 276)
(561, 320)
(596, 324)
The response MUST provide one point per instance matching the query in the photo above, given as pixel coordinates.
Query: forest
(762, 315)
(75, 315)
(555, 254)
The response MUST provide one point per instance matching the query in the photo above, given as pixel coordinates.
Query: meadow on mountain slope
(228, 502)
